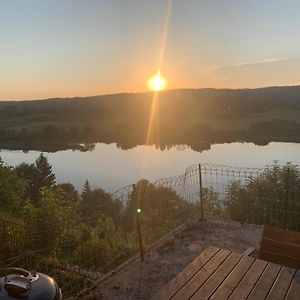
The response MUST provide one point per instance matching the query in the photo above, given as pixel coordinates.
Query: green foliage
(86, 189)
(46, 219)
(69, 194)
(29, 174)
(37, 176)
(96, 202)
(45, 176)
(12, 189)
(103, 242)
(161, 210)
(213, 204)
(59, 231)
(271, 198)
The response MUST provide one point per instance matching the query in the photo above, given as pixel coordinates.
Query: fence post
(286, 202)
(200, 193)
(138, 223)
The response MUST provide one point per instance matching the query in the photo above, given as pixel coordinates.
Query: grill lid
(19, 283)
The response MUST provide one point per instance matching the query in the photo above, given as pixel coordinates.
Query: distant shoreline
(195, 117)
(89, 146)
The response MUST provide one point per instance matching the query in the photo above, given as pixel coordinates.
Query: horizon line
(148, 92)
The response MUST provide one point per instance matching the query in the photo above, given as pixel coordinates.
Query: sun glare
(157, 83)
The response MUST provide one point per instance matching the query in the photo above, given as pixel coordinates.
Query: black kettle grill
(22, 284)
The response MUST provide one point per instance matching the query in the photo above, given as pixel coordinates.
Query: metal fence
(269, 195)
(195, 177)
(73, 264)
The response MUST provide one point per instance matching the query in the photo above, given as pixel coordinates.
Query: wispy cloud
(259, 62)
(213, 69)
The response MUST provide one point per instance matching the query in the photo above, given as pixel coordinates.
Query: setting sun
(157, 83)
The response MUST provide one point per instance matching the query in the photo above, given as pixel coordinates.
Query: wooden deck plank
(294, 290)
(265, 282)
(232, 280)
(281, 285)
(249, 251)
(217, 278)
(196, 282)
(184, 276)
(245, 286)
(219, 274)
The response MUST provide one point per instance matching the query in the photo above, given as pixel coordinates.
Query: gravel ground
(141, 281)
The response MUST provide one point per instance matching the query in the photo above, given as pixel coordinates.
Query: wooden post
(286, 202)
(138, 211)
(200, 193)
(139, 232)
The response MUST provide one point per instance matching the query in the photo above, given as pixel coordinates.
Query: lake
(111, 168)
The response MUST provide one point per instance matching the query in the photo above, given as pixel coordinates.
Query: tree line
(52, 213)
(194, 117)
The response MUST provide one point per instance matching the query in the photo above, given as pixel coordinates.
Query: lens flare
(157, 83)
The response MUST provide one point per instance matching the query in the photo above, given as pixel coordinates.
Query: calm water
(111, 168)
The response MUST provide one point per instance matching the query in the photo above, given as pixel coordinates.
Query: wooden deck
(221, 274)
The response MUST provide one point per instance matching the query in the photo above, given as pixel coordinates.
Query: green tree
(271, 198)
(46, 219)
(161, 210)
(45, 176)
(103, 242)
(70, 196)
(29, 173)
(86, 189)
(12, 189)
(97, 202)
(86, 198)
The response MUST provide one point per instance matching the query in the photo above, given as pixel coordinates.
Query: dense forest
(197, 118)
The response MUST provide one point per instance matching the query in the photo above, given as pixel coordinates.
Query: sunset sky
(61, 48)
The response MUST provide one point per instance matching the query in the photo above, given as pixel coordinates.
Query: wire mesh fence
(159, 206)
(260, 196)
(269, 195)
(73, 264)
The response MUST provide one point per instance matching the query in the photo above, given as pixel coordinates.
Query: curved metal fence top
(187, 184)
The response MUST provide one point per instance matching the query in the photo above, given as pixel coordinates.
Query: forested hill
(207, 97)
(190, 116)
